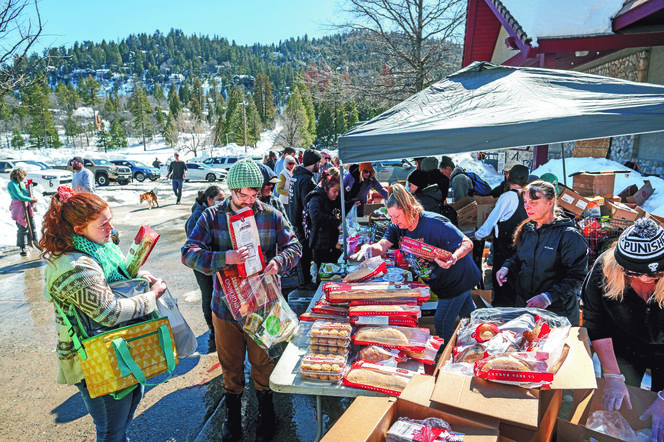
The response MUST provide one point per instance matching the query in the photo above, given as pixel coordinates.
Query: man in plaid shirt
(208, 249)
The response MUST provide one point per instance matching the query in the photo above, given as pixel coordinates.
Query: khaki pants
(232, 344)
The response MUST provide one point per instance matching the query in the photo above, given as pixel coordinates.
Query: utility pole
(244, 117)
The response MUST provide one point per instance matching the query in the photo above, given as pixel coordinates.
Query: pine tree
(41, 127)
(350, 114)
(308, 104)
(170, 132)
(118, 135)
(104, 140)
(17, 138)
(295, 123)
(325, 127)
(174, 104)
(140, 109)
(88, 90)
(158, 93)
(72, 127)
(264, 98)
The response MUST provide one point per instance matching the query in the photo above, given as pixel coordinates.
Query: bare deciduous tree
(418, 40)
(18, 35)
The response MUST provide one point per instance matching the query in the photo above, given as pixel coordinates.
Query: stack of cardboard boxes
(595, 190)
(473, 211)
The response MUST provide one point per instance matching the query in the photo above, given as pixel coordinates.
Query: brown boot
(266, 416)
(231, 430)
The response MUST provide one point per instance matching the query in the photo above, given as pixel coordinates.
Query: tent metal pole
(562, 153)
(344, 244)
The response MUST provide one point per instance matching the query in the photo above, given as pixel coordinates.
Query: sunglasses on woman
(632, 274)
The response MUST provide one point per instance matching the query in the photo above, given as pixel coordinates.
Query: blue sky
(245, 21)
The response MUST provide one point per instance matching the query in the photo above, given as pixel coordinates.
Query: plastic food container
(329, 349)
(331, 330)
(328, 368)
(330, 342)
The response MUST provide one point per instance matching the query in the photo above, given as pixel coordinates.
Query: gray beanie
(429, 163)
(641, 247)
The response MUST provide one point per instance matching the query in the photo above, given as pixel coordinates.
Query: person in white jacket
(285, 179)
(503, 220)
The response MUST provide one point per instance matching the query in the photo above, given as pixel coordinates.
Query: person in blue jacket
(451, 280)
(21, 210)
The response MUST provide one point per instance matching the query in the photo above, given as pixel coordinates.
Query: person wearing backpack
(503, 220)
(322, 217)
(461, 184)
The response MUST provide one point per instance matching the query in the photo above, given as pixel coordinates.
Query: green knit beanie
(244, 173)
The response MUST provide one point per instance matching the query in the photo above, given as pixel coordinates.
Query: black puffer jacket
(430, 197)
(196, 212)
(636, 327)
(326, 218)
(553, 259)
(302, 183)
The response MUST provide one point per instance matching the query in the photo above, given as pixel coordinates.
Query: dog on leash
(150, 197)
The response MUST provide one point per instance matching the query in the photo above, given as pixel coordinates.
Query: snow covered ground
(124, 195)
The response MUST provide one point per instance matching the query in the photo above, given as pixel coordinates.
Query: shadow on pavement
(22, 266)
(70, 410)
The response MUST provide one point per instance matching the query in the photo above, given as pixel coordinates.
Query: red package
(401, 338)
(140, 249)
(244, 296)
(311, 316)
(386, 301)
(244, 233)
(424, 250)
(324, 307)
(372, 268)
(428, 355)
(374, 377)
(403, 321)
(513, 368)
(346, 292)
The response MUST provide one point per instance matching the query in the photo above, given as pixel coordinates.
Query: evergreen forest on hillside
(196, 92)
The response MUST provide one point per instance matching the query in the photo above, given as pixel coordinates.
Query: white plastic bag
(185, 339)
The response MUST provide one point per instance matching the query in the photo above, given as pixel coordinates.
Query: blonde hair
(404, 200)
(614, 281)
(18, 174)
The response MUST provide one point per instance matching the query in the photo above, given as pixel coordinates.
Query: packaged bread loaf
(376, 377)
(323, 367)
(345, 292)
(401, 338)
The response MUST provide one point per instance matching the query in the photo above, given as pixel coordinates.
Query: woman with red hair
(367, 182)
(81, 263)
(324, 207)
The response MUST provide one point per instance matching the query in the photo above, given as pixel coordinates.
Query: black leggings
(634, 369)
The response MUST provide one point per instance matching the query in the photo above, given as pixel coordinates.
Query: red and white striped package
(324, 307)
(424, 250)
(385, 301)
(428, 355)
(340, 292)
(311, 316)
(402, 321)
(401, 338)
(405, 315)
(374, 377)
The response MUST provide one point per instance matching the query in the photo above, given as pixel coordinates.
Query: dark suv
(139, 171)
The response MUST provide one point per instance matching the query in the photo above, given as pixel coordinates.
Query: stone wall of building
(633, 67)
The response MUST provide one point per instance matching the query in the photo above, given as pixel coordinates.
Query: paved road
(184, 408)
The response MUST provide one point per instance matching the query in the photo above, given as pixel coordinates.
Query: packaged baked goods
(382, 356)
(401, 338)
(140, 249)
(401, 321)
(329, 341)
(403, 315)
(346, 292)
(244, 233)
(424, 250)
(368, 376)
(313, 316)
(517, 346)
(324, 307)
(428, 355)
(431, 429)
(321, 367)
(257, 305)
(383, 301)
(331, 329)
(371, 268)
(329, 349)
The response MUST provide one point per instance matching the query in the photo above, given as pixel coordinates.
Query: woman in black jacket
(206, 198)
(324, 206)
(551, 259)
(623, 310)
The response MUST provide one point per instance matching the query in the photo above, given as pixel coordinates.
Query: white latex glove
(615, 391)
(540, 301)
(501, 275)
(365, 252)
(656, 410)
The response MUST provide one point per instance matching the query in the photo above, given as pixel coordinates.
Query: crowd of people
(540, 259)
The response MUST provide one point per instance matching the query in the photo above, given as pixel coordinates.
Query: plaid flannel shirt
(205, 249)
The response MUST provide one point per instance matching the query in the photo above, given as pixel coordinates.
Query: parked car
(104, 171)
(43, 176)
(203, 172)
(221, 162)
(139, 171)
(391, 171)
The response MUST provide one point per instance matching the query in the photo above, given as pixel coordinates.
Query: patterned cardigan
(76, 278)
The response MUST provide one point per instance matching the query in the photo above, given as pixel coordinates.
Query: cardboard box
(524, 414)
(574, 430)
(463, 202)
(634, 194)
(619, 211)
(485, 205)
(369, 208)
(594, 183)
(481, 298)
(369, 419)
(467, 216)
(572, 201)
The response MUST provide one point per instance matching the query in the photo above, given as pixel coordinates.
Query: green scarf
(108, 255)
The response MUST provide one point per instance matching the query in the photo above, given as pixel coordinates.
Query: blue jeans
(447, 312)
(111, 417)
(177, 188)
